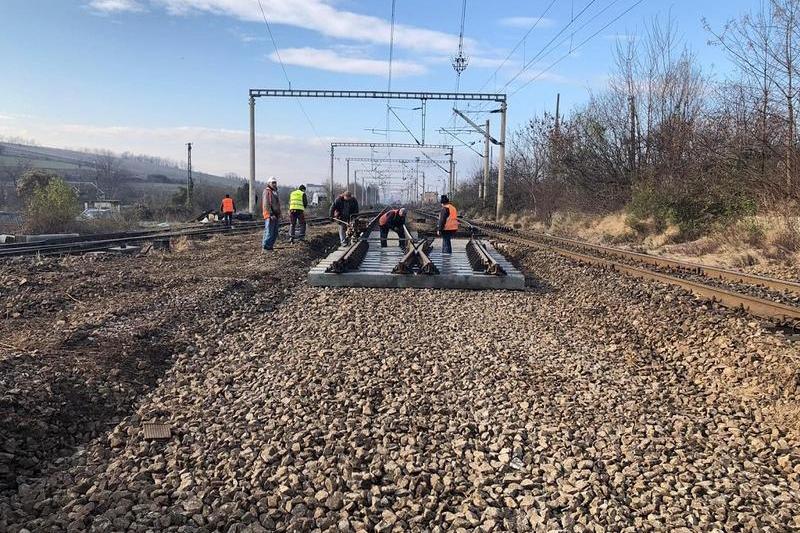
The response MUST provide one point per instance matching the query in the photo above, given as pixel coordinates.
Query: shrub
(787, 237)
(52, 208)
(33, 180)
(694, 212)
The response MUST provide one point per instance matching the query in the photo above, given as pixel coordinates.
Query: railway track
(120, 241)
(729, 288)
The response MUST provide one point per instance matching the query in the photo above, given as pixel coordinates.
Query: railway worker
(343, 209)
(448, 224)
(297, 216)
(228, 208)
(271, 210)
(394, 220)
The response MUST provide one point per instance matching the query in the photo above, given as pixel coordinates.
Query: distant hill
(128, 176)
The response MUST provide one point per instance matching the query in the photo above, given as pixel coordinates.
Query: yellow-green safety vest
(296, 200)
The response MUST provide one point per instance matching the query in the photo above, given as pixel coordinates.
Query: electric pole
(487, 138)
(189, 180)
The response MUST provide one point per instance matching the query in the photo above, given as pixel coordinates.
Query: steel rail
(105, 244)
(777, 312)
(705, 270)
(773, 311)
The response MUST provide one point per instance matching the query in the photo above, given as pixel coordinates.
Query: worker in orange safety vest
(394, 220)
(448, 224)
(228, 208)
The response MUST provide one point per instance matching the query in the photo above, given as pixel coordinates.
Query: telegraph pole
(332, 148)
(486, 162)
(558, 111)
(347, 185)
(251, 195)
(189, 180)
(451, 185)
(501, 163)
(416, 183)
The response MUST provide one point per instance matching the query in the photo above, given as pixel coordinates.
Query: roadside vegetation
(666, 154)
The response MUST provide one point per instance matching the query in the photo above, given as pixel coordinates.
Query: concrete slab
(455, 271)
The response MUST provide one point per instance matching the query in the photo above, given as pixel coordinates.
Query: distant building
(430, 197)
(104, 205)
(317, 194)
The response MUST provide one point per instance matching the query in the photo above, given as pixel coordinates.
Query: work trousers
(447, 245)
(270, 233)
(385, 234)
(343, 234)
(227, 218)
(297, 224)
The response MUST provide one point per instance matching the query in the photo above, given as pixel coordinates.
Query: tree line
(666, 140)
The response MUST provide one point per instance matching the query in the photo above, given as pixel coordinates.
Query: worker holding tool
(448, 224)
(297, 216)
(271, 209)
(342, 210)
(228, 208)
(395, 220)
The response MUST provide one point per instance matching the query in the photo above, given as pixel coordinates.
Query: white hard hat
(272, 179)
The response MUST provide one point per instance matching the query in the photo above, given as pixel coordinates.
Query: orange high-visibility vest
(227, 205)
(266, 202)
(451, 224)
(385, 217)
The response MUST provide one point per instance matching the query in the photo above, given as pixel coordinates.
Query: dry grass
(182, 244)
(766, 243)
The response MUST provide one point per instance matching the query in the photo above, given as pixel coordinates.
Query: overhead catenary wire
(283, 67)
(460, 62)
(549, 47)
(542, 51)
(592, 36)
(391, 59)
(519, 43)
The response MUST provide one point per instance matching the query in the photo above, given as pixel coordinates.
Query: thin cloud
(218, 151)
(322, 17)
(332, 61)
(526, 22)
(115, 6)
(619, 37)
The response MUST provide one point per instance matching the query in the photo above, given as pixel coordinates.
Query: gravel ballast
(589, 403)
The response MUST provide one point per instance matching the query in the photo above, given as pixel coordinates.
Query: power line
(524, 37)
(460, 61)
(559, 60)
(283, 67)
(391, 58)
(539, 54)
(572, 35)
(544, 50)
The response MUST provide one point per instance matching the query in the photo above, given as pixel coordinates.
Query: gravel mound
(589, 403)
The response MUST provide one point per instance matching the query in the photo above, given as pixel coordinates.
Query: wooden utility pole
(189, 180)
(487, 139)
(558, 113)
(634, 141)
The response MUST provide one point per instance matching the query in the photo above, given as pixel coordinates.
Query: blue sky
(149, 75)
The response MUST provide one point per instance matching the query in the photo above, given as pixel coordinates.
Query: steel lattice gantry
(448, 148)
(417, 162)
(384, 95)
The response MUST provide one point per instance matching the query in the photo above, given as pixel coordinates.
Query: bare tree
(109, 173)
